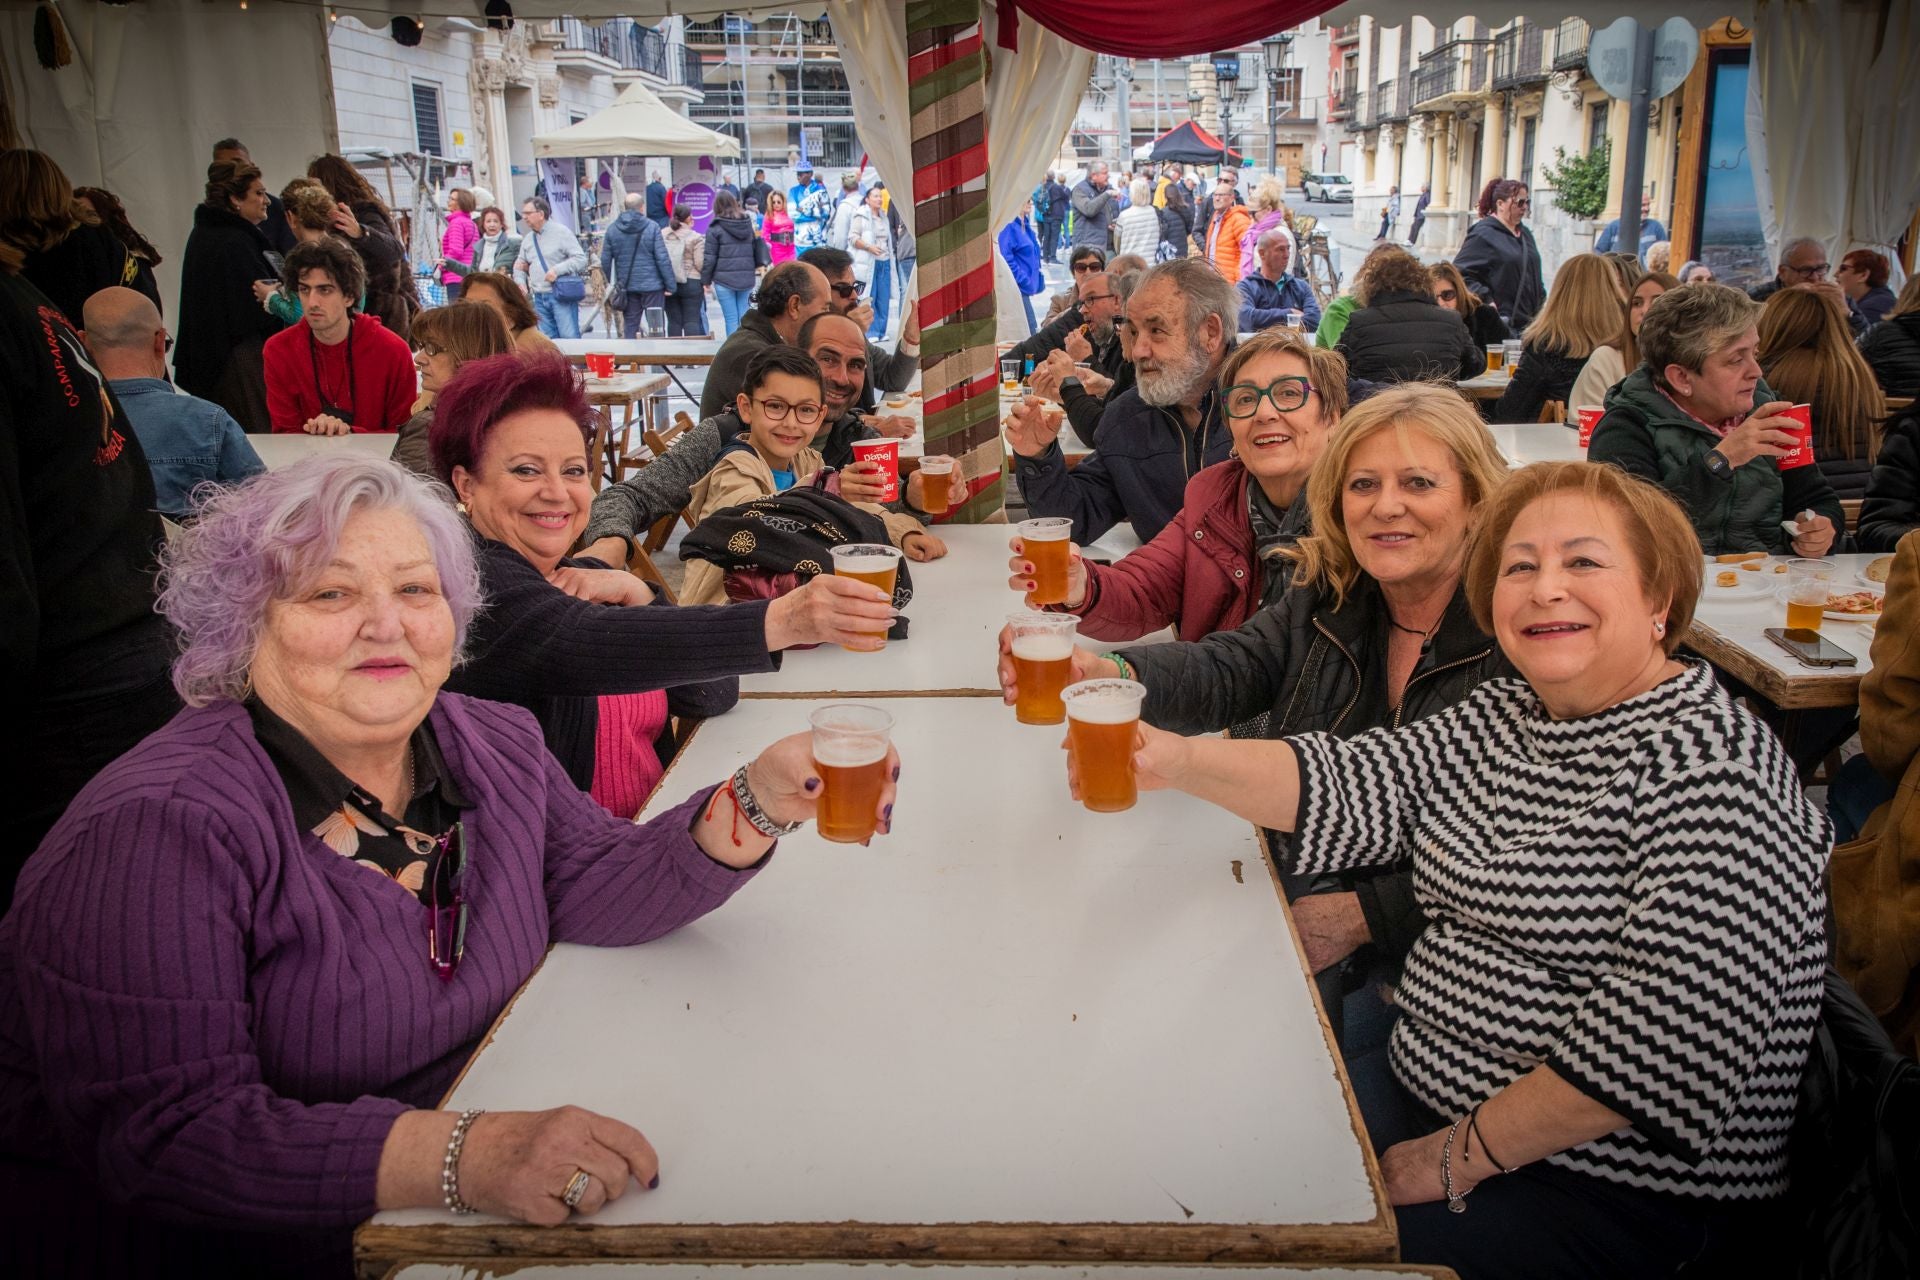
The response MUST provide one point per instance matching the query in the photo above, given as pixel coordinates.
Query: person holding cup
(781, 404)
(1696, 419)
(1374, 630)
(1227, 550)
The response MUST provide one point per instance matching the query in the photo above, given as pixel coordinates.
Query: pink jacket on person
(777, 231)
(457, 242)
(1198, 575)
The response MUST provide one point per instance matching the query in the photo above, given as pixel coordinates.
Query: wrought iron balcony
(1362, 117)
(1339, 104)
(1393, 98)
(1570, 44)
(1518, 56)
(1453, 73)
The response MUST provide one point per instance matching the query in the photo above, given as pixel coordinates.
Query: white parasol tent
(637, 124)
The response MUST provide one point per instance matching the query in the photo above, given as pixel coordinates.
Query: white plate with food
(1751, 579)
(1875, 575)
(1850, 606)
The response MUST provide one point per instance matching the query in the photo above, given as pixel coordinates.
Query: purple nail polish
(886, 815)
(896, 773)
(812, 785)
(654, 1185)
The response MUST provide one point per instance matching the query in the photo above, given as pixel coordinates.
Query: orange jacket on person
(1876, 878)
(1223, 240)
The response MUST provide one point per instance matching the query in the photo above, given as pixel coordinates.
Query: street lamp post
(1275, 47)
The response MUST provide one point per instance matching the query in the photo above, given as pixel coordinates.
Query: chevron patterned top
(1633, 898)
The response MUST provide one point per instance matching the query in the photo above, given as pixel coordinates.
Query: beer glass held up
(850, 743)
(1102, 716)
(872, 563)
(1047, 544)
(1042, 645)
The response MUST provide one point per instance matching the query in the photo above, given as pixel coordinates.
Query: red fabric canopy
(1156, 28)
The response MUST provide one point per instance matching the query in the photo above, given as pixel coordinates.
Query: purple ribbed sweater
(214, 1018)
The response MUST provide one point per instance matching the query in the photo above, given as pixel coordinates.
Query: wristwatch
(756, 816)
(1718, 464)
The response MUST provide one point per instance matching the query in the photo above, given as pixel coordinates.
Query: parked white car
(1327, 187)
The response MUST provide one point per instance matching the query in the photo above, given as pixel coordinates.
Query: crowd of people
(1515, 821)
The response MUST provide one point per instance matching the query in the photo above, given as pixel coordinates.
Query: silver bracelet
(1455, 1203)
(450, 1167)
(750, 809)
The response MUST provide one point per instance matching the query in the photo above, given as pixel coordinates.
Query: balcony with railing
(1345, 35)
(1454, 73)
(621, 47)
(1519, 56)
(1339, 104)
(1570, 44)
(1362, 116)
(1392, 97)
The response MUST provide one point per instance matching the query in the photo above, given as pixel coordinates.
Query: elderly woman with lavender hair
(256, 949)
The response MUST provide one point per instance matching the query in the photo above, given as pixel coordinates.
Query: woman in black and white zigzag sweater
(1621, 974)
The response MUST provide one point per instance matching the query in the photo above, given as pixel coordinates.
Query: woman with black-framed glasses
(1373, 630)
(242, 970)
(1499, 260)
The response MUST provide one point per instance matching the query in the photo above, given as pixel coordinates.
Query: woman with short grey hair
(1696, 419)
(1138, 226)
(241, 971)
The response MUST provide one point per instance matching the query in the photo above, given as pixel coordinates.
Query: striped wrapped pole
(947, 93)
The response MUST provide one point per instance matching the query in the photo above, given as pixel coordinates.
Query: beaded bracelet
(1126, 668)
(1455, 1203)
(450, 1167)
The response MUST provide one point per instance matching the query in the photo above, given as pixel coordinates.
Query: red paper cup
(599, 364)
(1590, 415)
(1801, 455)
(887, 454)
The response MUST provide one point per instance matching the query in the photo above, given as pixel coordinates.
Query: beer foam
(1043, 647)
(1105, 702)
(848, 755)
(1051, 529)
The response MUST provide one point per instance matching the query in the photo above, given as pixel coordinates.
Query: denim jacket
(186, 439)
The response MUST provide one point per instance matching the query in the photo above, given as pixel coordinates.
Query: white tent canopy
(1547, 13)
(637, 124)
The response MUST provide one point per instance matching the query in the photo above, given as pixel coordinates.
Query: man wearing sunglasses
(1094, 314)
(1500, 261)
(886, 371)
(1087, 258)
(187, 440)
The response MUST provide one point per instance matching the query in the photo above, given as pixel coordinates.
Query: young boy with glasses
(781, 401)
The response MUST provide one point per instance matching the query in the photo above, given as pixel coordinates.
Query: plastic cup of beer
(1496, 357)
(1809, 585)
(1042, 662)
(1010, 373)
(1296, 319)
(936, 484)
(1101, 716)
(872, 563)
(850, 751)
(1515, 348)
(1047, 543)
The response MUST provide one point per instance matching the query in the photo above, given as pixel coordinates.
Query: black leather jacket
(1305, 666)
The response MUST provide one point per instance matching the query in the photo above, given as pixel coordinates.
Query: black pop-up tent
(1190, 144)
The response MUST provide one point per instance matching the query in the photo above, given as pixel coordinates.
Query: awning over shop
(1190, 144)
(637, 124)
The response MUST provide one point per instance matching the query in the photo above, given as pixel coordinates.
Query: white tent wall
(1027, 114)
(153, 85)
(1840, 163)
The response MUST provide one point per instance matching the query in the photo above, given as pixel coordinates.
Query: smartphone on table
(1811, 648)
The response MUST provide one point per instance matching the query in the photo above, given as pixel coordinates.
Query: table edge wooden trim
(1789, 693)
(376, 1248)
(507, 1266)
(1383, 1211)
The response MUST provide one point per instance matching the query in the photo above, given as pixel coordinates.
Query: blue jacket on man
(1265, 303)
(636, 248)
(1139, 472)
(1651, 233)
(187, 440)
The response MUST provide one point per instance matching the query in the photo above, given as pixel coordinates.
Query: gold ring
(576, 1189)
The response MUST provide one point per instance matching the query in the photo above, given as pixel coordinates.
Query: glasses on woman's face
(777, 410)
(1242, 400)
(1446, 296)
(428, 350)
(1085, 265)
(447, 902)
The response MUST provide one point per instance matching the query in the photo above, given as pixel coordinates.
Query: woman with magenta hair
(241, 970)
(586, 647)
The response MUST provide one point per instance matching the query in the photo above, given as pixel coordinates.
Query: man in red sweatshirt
(340, 371)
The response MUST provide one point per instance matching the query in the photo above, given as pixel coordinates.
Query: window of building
(426, 119)
(1528, 128)
(1596, 127)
